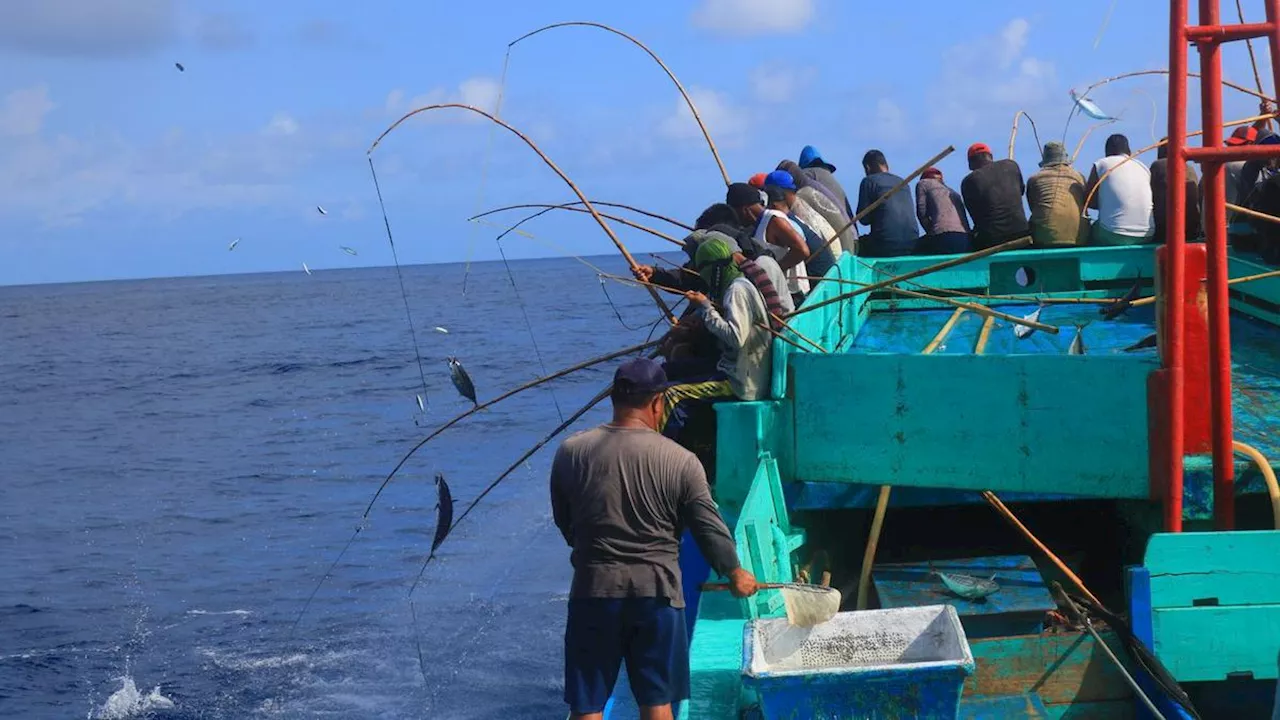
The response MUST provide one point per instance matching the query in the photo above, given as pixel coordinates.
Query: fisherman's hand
(697, 298)
(1266, 107)
(643, 273)
(742, 583)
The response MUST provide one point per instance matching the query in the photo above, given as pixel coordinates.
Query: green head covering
(714, 262)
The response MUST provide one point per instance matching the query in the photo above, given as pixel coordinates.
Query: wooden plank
(1106, 710)
(1005, 423)
(1214, 568)
(1010, 706)
(1210, 643)
(1060, 668)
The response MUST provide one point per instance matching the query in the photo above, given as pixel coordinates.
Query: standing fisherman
(620, 495)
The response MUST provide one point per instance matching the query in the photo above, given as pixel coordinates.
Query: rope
(404, 295)
(529, 325)
(484, 169)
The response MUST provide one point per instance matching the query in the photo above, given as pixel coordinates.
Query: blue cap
(782, 179)
(640, 376)
(810, 156)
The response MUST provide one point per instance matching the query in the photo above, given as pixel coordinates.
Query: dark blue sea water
(182, 459)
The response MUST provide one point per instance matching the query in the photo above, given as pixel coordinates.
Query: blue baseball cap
(810, 156)
(782, 179)
(639, 376)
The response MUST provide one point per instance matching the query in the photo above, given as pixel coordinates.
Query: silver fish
(1077, 342)
(441, 330)
(1024, 331)
(179, 66)
(421, 407)
(306, 269)
(462, 380)
(233, 244)
(1121, 305)
(444, 515)
(347, 250)
(321, 210)
(968, 586)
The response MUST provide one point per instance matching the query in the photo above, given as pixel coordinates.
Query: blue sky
(113, 164)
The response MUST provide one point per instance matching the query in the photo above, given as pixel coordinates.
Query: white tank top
(796, 282)
(1124, 198)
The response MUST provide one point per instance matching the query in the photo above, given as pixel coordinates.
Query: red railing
(1208, 37)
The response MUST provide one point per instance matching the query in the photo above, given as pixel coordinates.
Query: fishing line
(484, 168)
(413, 333)
(616, 312)
(533, 338)
(417, 641)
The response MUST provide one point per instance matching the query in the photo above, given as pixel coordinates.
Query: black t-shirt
(993, 195)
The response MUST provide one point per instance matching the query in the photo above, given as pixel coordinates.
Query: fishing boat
(1120, 498)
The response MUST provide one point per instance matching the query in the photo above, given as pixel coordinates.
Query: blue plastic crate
(873, 664)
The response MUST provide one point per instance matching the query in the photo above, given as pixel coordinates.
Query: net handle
(760, 586)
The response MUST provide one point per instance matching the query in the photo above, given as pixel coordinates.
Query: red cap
(1246, 135)
(932, 172)
(757, 180)
(978, 149)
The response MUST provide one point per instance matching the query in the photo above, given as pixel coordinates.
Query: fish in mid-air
(442, 330)
(968, 586)
(421, 406)
(1089, 107)
(347, 250)
(233, 244)
(444, 512)
(179, 66)
(321, 210)
(1024, 331)
(1077, 342)
(1146, 342)
(306, 269)
(462, 380)
(1121, 305)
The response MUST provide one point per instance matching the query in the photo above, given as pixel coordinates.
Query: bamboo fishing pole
(1230, 123)
(880, 200)
(882, 500)
(977, 255)
(1138, 73)
(1248, 43)
(779, 320)
(629, 223)
(512, 468)
(1088, 131)
(688, 100)
(457, 419)
(626, 254)
(600, 203)
(1232, 281)
(959, 304)
(1013, 133)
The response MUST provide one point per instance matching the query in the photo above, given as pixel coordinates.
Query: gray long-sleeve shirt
(622, 498)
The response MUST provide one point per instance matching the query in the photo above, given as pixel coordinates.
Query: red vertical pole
(1215, 213)
(1176, 220)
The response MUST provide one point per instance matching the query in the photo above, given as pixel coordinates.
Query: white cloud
(23, 110)
(971, 90)
(93, 28)
(480, 92)
(281, 124)
(1013, 39)
(725, 121)
(753, 17)
(776, 85)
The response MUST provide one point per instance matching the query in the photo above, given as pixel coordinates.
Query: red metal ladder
(1208, 37)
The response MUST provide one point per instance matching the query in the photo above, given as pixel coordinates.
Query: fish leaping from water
(233, 244)
(347, 250)
(179, 66)
(321, 210)
(1089, 107)
(306, 269)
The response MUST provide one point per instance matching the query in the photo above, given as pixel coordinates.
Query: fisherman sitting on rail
(774, 232)
(1055, 195)
(823, 173)
(817, 231)
(620, 495)
(941, 213)
(1123, 200)
(749, 308)
(827, 204)
(992, 192)
(1159, 201)
(893, 222)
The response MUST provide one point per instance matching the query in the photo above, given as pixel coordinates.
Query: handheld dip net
(807, 605)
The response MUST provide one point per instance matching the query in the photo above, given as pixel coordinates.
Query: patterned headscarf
(714, 262)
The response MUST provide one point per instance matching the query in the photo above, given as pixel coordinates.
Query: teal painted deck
(1026, 420)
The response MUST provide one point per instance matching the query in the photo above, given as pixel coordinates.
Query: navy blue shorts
(647, 633)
